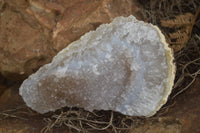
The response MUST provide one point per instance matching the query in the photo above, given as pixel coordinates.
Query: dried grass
(84, 121)
(12, 113)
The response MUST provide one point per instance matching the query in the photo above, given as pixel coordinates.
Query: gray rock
(125, 66)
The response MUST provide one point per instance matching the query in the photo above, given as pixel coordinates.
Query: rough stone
(124, 66)
(24, 44)
(33, 31)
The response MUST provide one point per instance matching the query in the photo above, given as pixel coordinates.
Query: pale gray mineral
(124, 66)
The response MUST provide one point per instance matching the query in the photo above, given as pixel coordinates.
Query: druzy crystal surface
(125, 66)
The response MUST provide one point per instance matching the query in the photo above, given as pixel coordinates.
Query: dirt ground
(180, 22)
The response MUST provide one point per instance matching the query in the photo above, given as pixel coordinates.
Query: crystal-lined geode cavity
(125, 66)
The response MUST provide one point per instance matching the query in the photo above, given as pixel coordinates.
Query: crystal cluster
(125, 66)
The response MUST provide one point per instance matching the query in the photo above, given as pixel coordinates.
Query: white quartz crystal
(125, 66)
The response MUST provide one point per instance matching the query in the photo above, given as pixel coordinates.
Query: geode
(125, 66)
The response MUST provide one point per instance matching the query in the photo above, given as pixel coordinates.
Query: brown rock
(160, 125)
(187, 110)
(32, 32)
(2, 86)
(84, 16)
(25, 45)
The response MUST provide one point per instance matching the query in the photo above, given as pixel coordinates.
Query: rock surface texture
(124, 66)
(33, 31)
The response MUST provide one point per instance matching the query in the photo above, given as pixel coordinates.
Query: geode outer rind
(124, 66)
